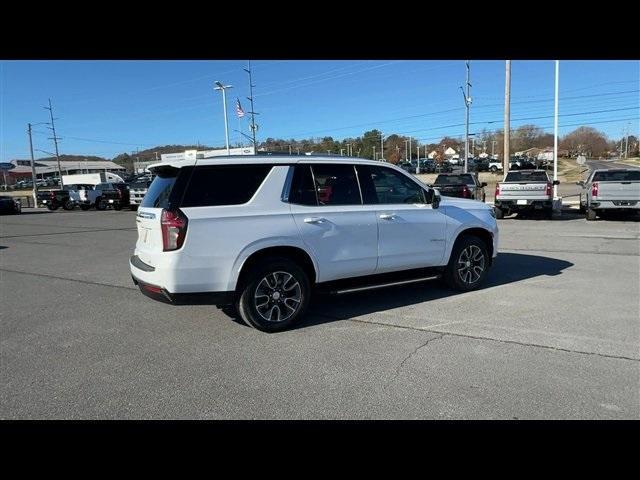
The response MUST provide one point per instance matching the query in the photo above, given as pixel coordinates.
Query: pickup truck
(610, 190)
(523, 191)
(115, 195)
(463, 185)
(137, 190)
(68, 197)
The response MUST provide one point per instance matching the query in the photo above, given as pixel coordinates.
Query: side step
(383, 285)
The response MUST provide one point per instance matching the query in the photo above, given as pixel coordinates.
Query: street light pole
(467, 104)
(555, 132)
(33, 170)
(222, 87)
(507, 115)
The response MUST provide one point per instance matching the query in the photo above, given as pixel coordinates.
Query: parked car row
(86, 196)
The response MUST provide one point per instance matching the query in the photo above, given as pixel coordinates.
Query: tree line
(581, 141)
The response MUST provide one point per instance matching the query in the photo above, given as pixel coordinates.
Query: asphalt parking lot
(555, 334)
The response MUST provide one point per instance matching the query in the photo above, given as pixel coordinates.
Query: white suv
(262, 233)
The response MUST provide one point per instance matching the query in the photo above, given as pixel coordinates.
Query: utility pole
(555, 132)
(374, 152)
(33, 170)
(467, 104)
(507, 113)
(406, 151)
(55, 140)
(381, 147)
(626, 148)
(223, 88)
(493, 148)
(252, 112)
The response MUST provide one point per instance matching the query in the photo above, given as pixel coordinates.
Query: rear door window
(386, 186)
(303, 191)
(336, 184)
(216, 185)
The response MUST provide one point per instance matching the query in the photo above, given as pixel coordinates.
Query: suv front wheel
(468, 264)
(274, 296)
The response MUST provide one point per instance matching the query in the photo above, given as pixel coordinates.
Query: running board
(383, 285)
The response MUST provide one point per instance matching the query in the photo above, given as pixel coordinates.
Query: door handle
(314, 220)
(388, 216)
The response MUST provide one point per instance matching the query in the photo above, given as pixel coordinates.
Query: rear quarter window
(217, 185)
(159, 193)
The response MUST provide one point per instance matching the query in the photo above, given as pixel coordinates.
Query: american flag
(239, 110)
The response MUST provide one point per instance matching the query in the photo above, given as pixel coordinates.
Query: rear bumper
(200, 298)
(615, 205)
(530, 205)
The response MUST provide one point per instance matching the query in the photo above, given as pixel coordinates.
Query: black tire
(52, 206)
(260, 280)
(84, 208)
(582, 209)
(100, 205)
(117, 207)
(499, 212)
(494, 169)
(133, 208)
(548, 214)
(68, 205)
(468, 264)
(591, 214)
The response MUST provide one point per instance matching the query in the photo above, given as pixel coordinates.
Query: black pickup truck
(115, 195)
(461, 185)
(54, 199)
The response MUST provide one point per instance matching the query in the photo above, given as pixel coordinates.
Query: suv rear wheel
(274, 296)
(468, 264)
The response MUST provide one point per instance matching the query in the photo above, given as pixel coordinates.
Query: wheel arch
(482, 233)
(294, 252)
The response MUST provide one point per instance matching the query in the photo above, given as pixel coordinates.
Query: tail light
(594, 189)
(119, 193)
(549, 188)
(465, 191)
(174, 229)
(52, 194)
(497, 189)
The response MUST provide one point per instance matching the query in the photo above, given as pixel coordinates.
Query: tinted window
(302, 190)
(385, 185)
(214, 185)
(336, 184)
(526, 177)
(617, 176)
(454, 180)
(158, 194)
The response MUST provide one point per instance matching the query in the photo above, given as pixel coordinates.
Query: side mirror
(483, 184)
(433, 197)
(556, 182)
(580, 183)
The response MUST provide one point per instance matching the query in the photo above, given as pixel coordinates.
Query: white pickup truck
(524, 190)
(610, 190)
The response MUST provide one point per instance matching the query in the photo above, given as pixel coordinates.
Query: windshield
(527, 176)
(617, 176)
(454, 180)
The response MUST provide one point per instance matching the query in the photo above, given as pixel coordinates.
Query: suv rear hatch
(149, 217)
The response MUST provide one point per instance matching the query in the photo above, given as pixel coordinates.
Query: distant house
(451, 153)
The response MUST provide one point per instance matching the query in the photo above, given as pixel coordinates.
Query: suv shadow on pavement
(508, 268)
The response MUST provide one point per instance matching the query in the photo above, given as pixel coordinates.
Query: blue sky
(109, 107)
